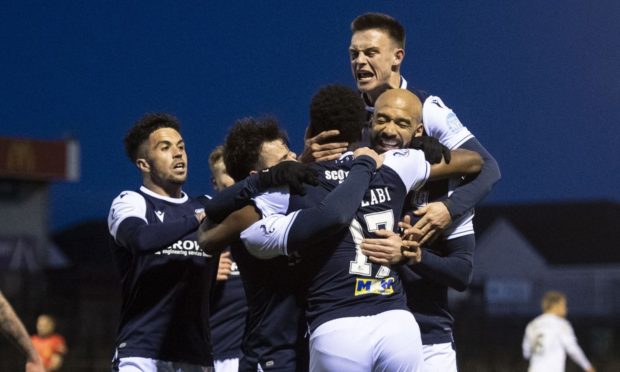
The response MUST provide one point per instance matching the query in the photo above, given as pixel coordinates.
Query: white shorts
(439, 358)
(389, 341)
(226, 365)
(138, 364)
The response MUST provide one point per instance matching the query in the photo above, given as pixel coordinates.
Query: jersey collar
(180, 200)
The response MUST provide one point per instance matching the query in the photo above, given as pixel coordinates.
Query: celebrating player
(166, 278)
(228, 307)
(328, 263)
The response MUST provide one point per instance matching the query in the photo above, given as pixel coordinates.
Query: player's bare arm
(462, 162)
(12, 327)
(213, 239)
(318, 149)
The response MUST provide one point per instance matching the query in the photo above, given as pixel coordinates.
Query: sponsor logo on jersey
(183, 248)
(160, 215)
(365, 286)
(336, 175)
(454, 124)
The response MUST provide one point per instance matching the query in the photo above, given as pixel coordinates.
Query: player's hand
(291, 173)
(412, 251)
(591, 369)
(435, 219)
(384, 250)
(316, 148)
(369, 152)
(34, 365)
(433, 150)
(409, 232)
(225, 266)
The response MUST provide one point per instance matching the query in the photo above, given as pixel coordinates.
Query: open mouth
(389, 144)
(180, 166)
(364, 75)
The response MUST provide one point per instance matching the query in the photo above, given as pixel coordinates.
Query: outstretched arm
(272, 235)
(12, 327)
(290, 173)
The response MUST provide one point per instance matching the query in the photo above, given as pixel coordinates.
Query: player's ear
(143, 165)
(419, 131)
(399, 55)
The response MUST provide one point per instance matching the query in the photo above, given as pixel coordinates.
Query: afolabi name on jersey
(383, 286)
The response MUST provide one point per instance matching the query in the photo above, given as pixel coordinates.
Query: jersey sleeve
(410, 165)
(569, 340)
(454, 267)
(465, 197)
(126, 204)
(442, 123)
(275, 201)
(267, 238)
(526, 345)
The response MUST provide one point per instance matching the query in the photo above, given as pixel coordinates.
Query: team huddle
(338, 261)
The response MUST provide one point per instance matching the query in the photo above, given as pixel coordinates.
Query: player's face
(394, 124)
(221, 179)
(274, 152)
(374, 61)
(165, 159)
(561, 308)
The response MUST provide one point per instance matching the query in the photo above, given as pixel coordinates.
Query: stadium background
(537, 82)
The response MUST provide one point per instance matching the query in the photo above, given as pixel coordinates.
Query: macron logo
(160, 215)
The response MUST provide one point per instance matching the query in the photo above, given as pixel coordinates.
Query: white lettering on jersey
(377, 196)
(183, 248)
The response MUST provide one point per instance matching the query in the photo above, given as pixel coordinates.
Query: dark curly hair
(143, 128)
(380, 21)
(337, 107)
(244, 141)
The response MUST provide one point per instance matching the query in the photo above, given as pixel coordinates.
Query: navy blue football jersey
(340, 280)
(166, 278)
(228, 312)
(425, 285)
(274, 327)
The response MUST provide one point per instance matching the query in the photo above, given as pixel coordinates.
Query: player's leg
(341, 345)
(398, 346)
(439, 357)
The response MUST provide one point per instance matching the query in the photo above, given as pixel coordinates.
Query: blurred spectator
(51, 346)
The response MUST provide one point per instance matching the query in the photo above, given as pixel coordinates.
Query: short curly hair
(337, 107)
(244, 141)
(380, 21)
(143, 128)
